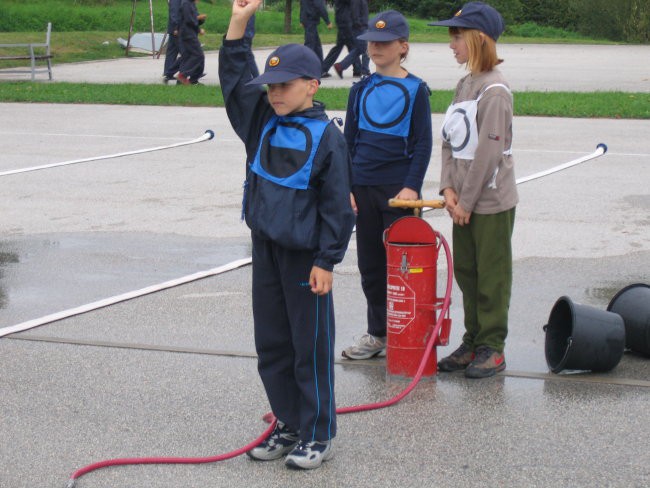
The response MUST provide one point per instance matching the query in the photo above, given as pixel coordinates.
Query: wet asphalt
(173, 373)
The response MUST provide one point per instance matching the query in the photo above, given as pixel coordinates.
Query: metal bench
(37, 52)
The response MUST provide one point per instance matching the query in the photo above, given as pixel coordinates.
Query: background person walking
(344, 34)
(192, 56)
(172, 59)
(358, 57)
(311, 11)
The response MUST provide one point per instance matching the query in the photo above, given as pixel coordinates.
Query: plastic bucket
(632, 303)
(579, 337)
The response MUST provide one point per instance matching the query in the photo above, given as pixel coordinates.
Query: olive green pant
(483, 267)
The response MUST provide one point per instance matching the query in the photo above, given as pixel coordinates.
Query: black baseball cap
(287, 63)
(477, 15)
(386, 26)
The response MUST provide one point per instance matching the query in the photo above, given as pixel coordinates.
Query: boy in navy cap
(297, 205)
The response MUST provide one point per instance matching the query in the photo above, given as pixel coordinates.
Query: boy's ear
(313, 87)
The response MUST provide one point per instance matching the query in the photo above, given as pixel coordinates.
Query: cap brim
(378, 36)
(274, 77)
(453, 23)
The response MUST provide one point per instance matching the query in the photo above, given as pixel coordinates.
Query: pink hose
(271, 419)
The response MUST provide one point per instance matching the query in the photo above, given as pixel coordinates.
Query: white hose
(600, 150)
(205, 137)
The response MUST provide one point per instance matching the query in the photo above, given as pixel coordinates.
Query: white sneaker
(279, 442)
(309, 454)
(367, 346)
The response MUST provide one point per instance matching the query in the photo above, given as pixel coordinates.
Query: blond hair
(482, 49)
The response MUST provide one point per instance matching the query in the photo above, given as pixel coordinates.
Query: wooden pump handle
(394, 202)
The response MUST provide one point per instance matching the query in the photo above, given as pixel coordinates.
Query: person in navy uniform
(344, 35)
(388, 131)
(311, 11)
(192, 56)
(172, 61)
(358, 56)
(297, 205)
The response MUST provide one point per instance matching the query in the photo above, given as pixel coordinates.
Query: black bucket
(632, 303)
(579, 337)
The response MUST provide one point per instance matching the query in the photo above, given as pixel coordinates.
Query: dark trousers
(344, 38)
(172, 61)
(359, 52)
(294, 339)
(483, 271)
(192, 57)
(312, 40)
(374, 216)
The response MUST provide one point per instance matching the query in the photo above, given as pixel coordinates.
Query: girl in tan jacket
(478, 184)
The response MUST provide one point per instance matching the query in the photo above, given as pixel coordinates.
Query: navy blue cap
(287, 63)
(477, 15)
(386, 26)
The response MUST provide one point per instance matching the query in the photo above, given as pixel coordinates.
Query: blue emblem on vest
(287, 148)
(386, 105)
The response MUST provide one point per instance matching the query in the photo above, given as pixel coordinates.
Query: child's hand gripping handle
(394, 202)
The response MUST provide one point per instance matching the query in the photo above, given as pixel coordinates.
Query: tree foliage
(617, 20)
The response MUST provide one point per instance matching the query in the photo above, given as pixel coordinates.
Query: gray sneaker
(309, 454)
(367, 346)
(279, 442)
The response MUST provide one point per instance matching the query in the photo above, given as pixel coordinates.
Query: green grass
(85, 30)
(563, 104)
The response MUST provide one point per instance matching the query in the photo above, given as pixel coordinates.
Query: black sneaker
(309, 454)
(457, 360)
(487, 362)
(325, 75)
(167, 79)
(279, 442)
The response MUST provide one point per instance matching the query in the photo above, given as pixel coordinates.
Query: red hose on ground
(271, 419)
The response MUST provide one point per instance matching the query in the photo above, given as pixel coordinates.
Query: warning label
(400, 301)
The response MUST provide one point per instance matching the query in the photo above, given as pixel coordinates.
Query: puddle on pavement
(44, 274)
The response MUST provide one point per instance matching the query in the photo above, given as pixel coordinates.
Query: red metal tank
(412, 249)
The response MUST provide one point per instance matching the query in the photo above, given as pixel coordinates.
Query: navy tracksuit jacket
(292, 229)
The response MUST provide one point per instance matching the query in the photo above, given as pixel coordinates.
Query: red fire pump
(413, 307)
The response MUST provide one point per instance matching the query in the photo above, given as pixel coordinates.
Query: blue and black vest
(287, 148)
(386, 104)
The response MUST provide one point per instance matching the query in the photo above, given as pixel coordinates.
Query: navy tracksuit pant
(374, 216)
(294, 338)
(172, 60)
(312, 40)
(192, 56)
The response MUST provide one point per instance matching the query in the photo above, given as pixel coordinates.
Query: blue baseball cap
(287, 63)
(477, 15)
(386, 26)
